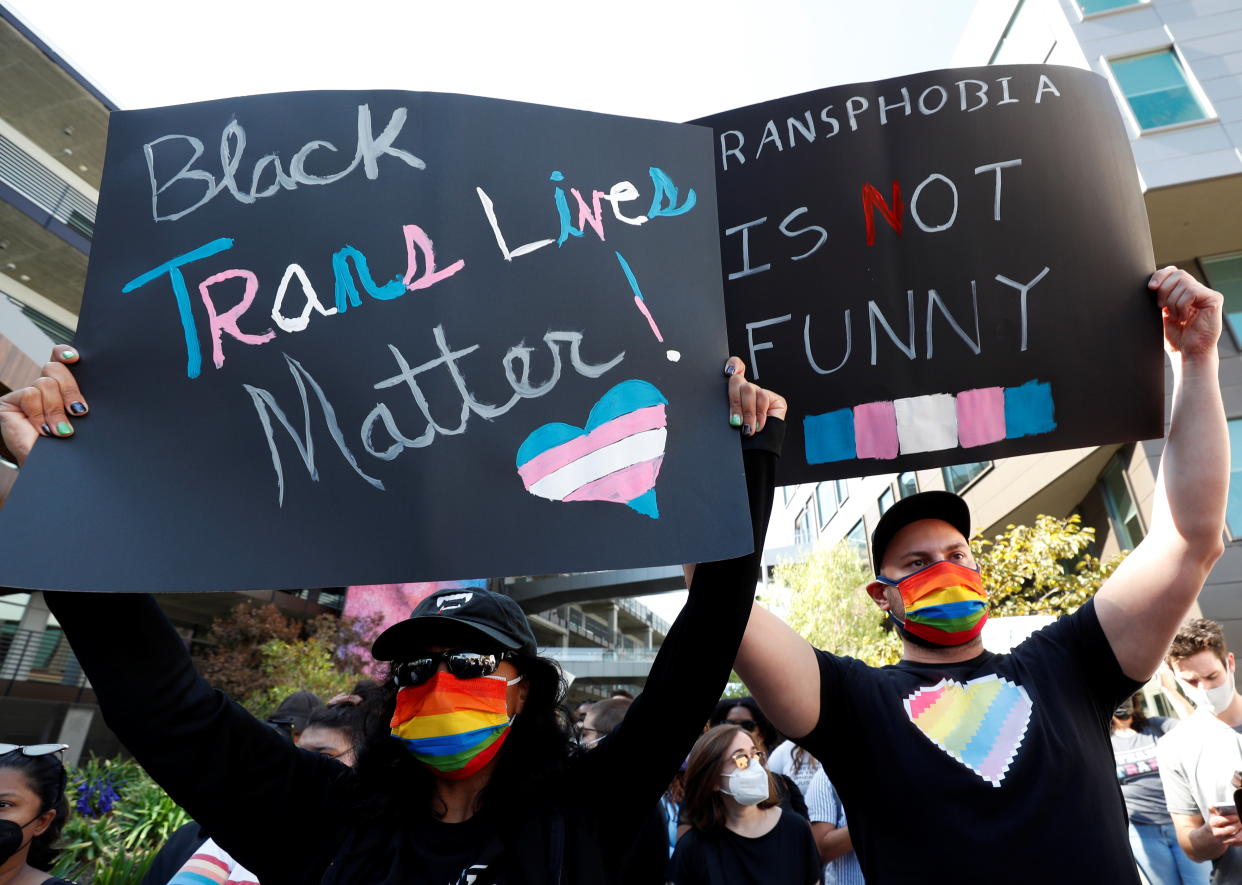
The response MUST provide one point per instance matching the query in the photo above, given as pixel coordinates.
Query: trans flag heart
(980, 724)
(615, 457)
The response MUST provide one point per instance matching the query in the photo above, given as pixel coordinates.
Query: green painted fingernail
(735, 420)
(68, 354)
(63, 428)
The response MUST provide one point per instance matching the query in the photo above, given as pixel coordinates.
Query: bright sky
(663, 59)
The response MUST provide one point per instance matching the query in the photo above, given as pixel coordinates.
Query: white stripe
(613, 457)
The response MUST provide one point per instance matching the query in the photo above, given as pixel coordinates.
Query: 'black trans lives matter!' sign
(362, 337)
(941, 268)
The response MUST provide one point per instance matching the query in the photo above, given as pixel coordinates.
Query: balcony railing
(37, 656)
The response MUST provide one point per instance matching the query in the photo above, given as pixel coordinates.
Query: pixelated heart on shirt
(615, 457)
(980, 724)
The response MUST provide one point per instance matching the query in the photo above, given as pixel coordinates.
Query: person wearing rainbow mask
(960, 765)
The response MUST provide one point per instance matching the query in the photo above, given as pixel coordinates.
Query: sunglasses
(462, 664)
(33, 749)
(742, 759)
(744, 724)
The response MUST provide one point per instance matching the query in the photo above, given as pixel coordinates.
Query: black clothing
(785, 855)
(179, 848)
(293, 817)
(1004, 760)
(791, 798)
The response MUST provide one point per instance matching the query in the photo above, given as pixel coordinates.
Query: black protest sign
(940, 268)
(350, 338)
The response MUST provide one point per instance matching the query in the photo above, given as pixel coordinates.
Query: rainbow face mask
(453, 726)
(945, 603)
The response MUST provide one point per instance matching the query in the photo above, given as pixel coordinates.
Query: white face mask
(748, 787)
(1220, 697)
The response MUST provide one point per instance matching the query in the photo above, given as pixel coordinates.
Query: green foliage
(1041, 569)
(259, 656)
(1044, 568)
(829, 606)
(118, 819)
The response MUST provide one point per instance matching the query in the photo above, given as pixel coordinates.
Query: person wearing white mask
(738, 835)
(1199, 758)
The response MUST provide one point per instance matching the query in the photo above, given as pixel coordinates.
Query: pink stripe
(622, 486)
(649, 418)
(875, 430)
(650, 318)
(980, 416)
(209, 858)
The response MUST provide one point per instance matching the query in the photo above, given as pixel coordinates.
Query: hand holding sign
(1192, 312)
(43, 409)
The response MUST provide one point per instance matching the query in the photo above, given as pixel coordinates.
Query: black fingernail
(45, 430)
(746, 430)
(730, 368)
(77, 408)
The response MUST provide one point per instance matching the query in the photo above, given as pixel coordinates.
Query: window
(885, 500)
(1157, 89)
(1233, 512)
(843, 491)
(802, 528)
(1091, 7)
(857, 539)
(1224, 274)
(907, 484)
(959, 476)
(787, 493)
(825, 502)
(1122, 512)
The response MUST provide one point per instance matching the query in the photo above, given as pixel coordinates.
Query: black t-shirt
(995, 769)
(785, 855)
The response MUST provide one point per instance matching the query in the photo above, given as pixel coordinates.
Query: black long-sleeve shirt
(291, 816)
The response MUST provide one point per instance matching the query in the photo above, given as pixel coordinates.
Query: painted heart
(980, 724)
(615, 457)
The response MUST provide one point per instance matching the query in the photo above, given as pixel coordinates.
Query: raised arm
(1142, 604)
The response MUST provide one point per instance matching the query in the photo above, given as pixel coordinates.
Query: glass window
(1156, 87)
(802, 528)
(1090, 7)
(1233, 513)
(907, 484)
(885, 500)
(1122, 511)
(1224, 274)
(787, 492)
(825, 502)
(843, 491)
(857, 539)
(958, 476)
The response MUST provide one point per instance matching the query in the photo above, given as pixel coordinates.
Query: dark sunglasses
(33, 749)
(462, 664)
(744, 724)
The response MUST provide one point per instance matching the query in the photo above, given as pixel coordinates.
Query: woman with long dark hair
(33, 810)
(482, 784)
(739, 835)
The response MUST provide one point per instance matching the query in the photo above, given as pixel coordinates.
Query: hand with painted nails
(750, 405)
(45, 408)
(1192, 312)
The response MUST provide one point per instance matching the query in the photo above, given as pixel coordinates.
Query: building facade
(1175, 69)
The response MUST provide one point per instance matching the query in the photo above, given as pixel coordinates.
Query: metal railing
(43, 187)
(37, 656)
(598, 655)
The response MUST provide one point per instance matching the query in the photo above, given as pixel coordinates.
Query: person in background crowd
(580, 713)
(1152, 836)
(293, 711)
(738, 833)
(33, 810)
(482, 783)
(1032, 798)
(744, 712)
(622, 693)
(602, 719)
(340, 727)
(1198, 758)
(831, 831)
(791, 761)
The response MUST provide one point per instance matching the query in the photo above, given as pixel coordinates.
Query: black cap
(944, 506)
(470, 614)
(296, 709)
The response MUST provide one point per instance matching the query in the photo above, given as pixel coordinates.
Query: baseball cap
(451, 616)
(944, 506)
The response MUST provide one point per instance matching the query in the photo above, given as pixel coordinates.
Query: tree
(260, 656)
(829, 607)
(1041, 569)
